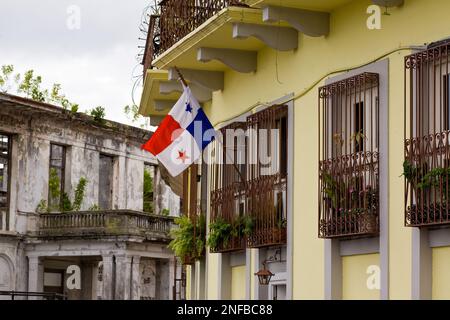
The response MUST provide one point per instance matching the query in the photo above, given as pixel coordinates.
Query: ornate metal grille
(267, 175)
(427, 125)
(178, 18)
(153, 44)
(228, 197)
(348, 157)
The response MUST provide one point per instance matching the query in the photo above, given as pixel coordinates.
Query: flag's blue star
(188, 108)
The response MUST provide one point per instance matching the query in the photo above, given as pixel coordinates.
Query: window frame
(62, 168)
(8, 186)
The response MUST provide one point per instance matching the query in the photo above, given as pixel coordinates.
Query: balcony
(177, 19)
(349, 196)
(427, 131)
(349, 158)
(226, 204)
(427, 173)
(105, 224)
(266, 202)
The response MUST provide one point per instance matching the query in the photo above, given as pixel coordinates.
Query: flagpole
(180, 76)
(183, 81)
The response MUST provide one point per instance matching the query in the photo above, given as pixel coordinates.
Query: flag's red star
(182, 156)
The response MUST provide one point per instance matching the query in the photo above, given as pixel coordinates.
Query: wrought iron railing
(153, 44)
(105, 223)
(177, 19)
(267, 207)
(348, 157)
(226, 204)
(427, 173)
(349, 196)
(427, 146)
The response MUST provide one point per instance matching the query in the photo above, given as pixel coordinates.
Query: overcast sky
(93, 60)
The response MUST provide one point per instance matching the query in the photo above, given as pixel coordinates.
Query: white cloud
(93, 65)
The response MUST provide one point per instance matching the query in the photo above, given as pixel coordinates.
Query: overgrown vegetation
(98, 114)
(79, 194)
(29, 85)
(54, 189)
(148, 191)
(62, 202)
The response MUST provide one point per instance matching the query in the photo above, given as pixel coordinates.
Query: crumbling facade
(71, 207)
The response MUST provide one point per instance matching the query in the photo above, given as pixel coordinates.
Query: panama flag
(182, 135)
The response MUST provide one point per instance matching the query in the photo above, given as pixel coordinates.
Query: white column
(35, 275)
(108, 278)
(172, 271)
(123, 278)
(136, 278)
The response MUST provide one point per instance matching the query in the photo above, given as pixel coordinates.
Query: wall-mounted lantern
(264, 275)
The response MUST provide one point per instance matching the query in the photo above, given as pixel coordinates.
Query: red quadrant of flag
(168, 130)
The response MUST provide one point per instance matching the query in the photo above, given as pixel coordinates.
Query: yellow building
(358, 95)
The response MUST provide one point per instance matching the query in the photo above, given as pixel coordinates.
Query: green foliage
(424, 180)
(282, 223)
(220, 232)
(30, 87)
(74, 108)
(148, 192)
(42, 207)
(79, 194)
(243, 226)
(132, 112)
(94, 207)
(98, 114)
(66, 204)
(54, 184)
(6, 76)
(165, 212)
(409, 171)
(184, 243)
(331, 189)
(200, 236)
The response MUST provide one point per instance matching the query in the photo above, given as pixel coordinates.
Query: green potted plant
(219, 233)
(188, 241)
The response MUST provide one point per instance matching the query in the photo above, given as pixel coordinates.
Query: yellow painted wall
(189, 283)
(212, 281)
(441, 274)
(349, 44)
(360, 277)
(238, 283)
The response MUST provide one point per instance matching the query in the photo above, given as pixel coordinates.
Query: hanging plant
(243, 226)
(220, 232)
(186, 243)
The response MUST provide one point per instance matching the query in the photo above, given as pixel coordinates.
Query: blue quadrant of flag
(201, 121)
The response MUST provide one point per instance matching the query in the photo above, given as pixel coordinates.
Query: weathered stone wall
(32, 136)
(32, 132)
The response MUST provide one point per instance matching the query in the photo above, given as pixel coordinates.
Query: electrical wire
(317, 82)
